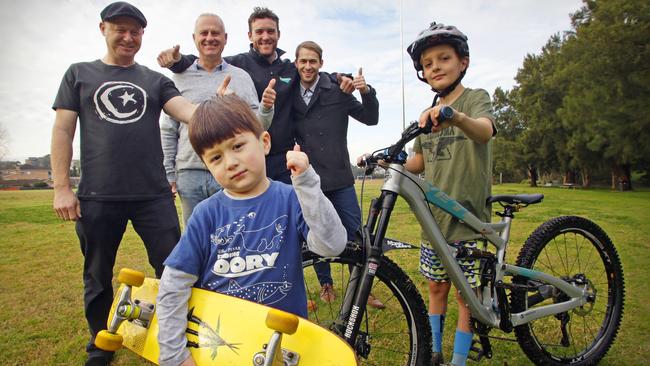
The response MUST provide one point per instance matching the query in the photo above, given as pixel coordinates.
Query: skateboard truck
(272, 353)
(137, 311)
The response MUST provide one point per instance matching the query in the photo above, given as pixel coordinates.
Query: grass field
(41, 317)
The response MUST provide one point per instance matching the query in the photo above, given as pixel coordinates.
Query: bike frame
(418, 194)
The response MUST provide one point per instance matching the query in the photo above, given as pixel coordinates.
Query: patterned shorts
(431, 266)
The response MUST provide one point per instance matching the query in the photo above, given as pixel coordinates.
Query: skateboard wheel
(131, 277)
(282, 321)
(108, 341)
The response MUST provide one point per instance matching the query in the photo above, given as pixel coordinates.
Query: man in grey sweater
(185, 171)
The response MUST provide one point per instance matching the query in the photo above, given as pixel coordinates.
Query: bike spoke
(555, 273)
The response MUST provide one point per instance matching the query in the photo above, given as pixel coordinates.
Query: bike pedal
(476, 352)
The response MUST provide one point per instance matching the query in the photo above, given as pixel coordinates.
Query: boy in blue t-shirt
(456, 158)
(244, 241)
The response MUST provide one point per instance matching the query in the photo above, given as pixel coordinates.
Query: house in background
(34, 173)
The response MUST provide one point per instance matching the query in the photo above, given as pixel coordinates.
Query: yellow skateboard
(221, 329)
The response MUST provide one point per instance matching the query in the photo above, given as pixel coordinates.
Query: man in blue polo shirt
(185, 170)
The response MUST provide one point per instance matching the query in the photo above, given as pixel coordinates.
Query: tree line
(581, 108)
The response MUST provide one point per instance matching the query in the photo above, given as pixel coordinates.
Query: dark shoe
(98, 361)
(437, 359)
(374, 302)
(327, 293)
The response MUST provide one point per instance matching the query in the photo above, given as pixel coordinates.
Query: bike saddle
(527, 199)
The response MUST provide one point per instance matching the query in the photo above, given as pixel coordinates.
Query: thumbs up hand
(268, 97)
(223, 88)
(297, 161)
(360, 83)
(169, 57)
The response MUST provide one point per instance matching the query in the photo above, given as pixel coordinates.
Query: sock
(462, 343)
(437, 322)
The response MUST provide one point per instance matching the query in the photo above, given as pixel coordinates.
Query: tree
(507, 149)
(537, 97)
(606, 104)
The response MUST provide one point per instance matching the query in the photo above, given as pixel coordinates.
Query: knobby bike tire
(399, 334)
(572, 247)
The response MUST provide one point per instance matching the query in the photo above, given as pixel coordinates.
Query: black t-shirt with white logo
(119, 108)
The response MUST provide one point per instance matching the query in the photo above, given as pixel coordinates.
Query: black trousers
(100, 232)
(276, 167)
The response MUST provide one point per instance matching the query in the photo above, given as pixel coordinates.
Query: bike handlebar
(395, 153)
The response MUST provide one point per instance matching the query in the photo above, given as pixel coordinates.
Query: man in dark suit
(320, 121)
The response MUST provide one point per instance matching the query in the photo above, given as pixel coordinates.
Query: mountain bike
(563, 298)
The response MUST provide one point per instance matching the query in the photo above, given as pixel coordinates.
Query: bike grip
(445, 113)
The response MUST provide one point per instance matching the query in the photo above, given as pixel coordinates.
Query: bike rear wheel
(397, 335)
(580, 252)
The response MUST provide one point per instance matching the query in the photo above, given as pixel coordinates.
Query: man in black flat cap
(118, 104)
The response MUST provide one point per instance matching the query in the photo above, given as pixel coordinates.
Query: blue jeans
(346, 205)
(194, 185)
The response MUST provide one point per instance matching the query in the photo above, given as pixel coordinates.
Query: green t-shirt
(460, 167)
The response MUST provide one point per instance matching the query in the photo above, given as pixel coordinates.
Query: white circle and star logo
(120, 102)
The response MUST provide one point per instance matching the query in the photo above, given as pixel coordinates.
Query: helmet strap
(435, 100)
(420, 75)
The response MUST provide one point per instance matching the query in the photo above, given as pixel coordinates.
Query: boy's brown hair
(219, 119)
(312, 46)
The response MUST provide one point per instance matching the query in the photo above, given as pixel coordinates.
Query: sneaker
(327, 293)
(98, 361)
(437, 359)
(374, 302)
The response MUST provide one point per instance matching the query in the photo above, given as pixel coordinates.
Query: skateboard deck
(226, 330)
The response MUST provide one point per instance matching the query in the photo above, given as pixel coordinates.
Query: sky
(42, 38)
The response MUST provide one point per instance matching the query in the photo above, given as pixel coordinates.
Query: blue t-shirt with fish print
(249, 248)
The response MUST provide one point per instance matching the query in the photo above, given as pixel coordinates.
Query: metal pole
(401, 35)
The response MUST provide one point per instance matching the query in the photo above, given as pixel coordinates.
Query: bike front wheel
(580, 252)
(397, 334)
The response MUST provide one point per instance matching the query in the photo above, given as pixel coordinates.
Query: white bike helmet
(434, 35)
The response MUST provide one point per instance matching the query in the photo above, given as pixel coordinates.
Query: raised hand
(297, 161)
(223, 88)
(346, 84)
(268, 97)
(360, 83)
(169, 57)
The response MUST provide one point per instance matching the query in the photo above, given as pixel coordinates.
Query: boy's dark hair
(219, 119)
(262, 13)
(312, 46)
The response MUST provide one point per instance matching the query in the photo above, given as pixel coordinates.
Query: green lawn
(41, 317)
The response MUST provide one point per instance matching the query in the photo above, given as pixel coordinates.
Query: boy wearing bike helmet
(456, 157)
